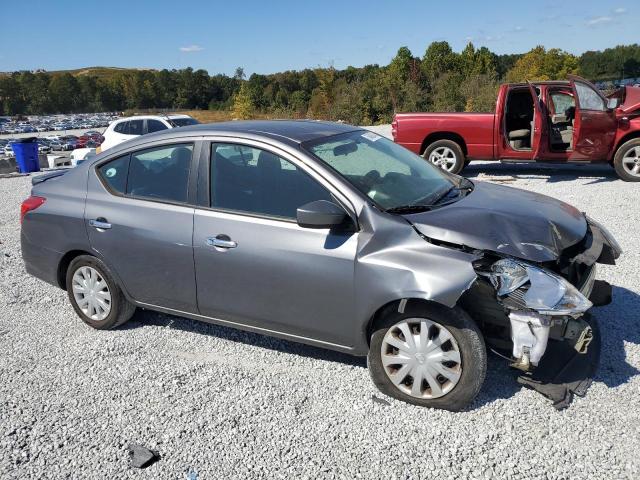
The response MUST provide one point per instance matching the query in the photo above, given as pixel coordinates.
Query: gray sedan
(333, 236)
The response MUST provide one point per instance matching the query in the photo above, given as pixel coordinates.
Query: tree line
(440, 80)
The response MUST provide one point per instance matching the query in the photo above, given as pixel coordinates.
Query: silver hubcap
(631, 161)
(444, 158)
(421, 358)
(91, 293)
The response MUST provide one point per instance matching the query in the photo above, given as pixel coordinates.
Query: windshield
(183, 121)
(387, 173)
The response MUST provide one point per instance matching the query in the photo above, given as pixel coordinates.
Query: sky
(269, 36)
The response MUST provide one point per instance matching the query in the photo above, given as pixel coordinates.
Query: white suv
(127, 128)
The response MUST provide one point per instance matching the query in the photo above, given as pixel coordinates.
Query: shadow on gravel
(552, 173)
(227, 333)
(619, 324)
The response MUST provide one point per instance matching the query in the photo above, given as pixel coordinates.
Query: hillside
(99, 72)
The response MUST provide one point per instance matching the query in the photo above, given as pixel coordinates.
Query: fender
(417, 269)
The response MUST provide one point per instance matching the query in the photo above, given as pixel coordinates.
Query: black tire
(121, 309)
(471, 346)
(460, 160)
(617, 161)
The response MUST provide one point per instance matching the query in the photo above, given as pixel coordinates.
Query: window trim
(204, 180)
(192, 179)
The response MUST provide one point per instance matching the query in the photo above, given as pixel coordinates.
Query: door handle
(100, 224)
(221, 241)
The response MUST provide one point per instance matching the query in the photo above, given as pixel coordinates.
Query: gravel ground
(219, 403)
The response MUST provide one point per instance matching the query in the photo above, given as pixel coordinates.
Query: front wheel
(429, 355)
(445, 154)
(627, 161)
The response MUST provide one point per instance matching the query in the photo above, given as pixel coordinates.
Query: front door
(595, 124)
(539, 136)
(139, 221)
(254, 264)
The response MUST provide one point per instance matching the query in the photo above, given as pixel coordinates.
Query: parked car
(546, 121)
(44, 147)
(131, 127)
(329, 235)
(8, 151)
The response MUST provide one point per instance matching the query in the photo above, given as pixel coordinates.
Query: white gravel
(219, 403)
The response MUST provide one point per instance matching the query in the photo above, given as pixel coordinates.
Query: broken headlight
(534, 288)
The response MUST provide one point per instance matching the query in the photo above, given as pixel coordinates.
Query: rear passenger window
(122, 127)
(155, 126)
(161, 173)
(259, 182)
(114, 173)
(135, 127)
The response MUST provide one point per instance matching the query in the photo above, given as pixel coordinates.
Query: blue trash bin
(26, 151)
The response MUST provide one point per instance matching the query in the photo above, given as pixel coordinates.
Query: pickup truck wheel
(445, 154)
(627, 161)
(429, 355)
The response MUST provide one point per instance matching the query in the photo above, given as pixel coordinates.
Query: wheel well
(623, 140)
(64, 264)
(392, 306)
(434, 137)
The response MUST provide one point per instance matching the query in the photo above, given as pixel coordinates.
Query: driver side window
(589, 99)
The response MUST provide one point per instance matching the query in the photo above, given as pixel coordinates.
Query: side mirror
(612, 103)
(321, 214)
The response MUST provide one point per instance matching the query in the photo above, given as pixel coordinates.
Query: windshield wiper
(409, 209)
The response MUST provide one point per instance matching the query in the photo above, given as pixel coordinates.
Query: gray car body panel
(315, 286)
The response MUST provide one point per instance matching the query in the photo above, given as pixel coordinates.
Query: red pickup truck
(551, 122)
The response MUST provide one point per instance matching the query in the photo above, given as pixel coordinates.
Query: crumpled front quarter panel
(395, 262)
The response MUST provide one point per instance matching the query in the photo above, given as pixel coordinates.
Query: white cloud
(191, 48)
(620, 10)
(598, 21)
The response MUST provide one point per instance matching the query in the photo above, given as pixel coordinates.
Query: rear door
(595, 125)
(254, 264)
(140, 221)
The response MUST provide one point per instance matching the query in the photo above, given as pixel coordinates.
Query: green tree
(439, 59)
(540, 64)
(242, 104)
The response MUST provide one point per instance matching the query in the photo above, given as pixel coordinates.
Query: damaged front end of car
(537, 313)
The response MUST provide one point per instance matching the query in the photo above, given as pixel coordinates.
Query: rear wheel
(95, 295)
(429, 355)
(627, 161)
(445, 154)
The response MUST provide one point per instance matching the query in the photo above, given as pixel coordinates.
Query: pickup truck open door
(540, 135)
(594, 125)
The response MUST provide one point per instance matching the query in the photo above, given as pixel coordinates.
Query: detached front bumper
(572, 355)
(557, 349)
(568, 366)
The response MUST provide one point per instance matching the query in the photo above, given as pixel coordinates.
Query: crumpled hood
(505, 220)
(631, 100)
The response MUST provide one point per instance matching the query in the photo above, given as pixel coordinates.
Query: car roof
(294, 131)
(563, 83)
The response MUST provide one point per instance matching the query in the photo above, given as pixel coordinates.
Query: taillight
(394, 128)
(29, 204)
